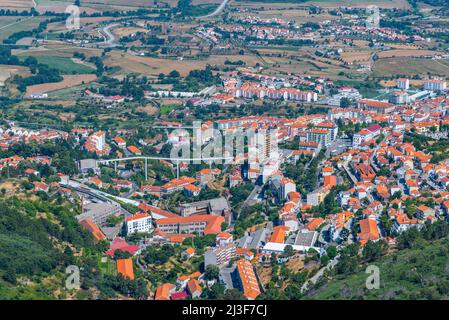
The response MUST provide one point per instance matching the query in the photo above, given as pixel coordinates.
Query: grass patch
(63, 64)
(168, 108)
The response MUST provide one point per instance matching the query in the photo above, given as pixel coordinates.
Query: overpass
(146, 158)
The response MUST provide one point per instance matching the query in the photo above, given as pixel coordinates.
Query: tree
(233, 294)
(345, 103)
(324, 260)
(174, 74)
(407, 238)
(212, 272)
(374, 250)
(331, 252)
(288, 251)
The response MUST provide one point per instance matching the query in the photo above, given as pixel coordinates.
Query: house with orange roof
(188, 253)
(191, 190)
(330, 180)
(247, 253)
(423, 212)
(364, 172)
(182, 280)
(314, 223)
(382, 192)
(204, 176)
(120, 142)
(164, 291)
(125, 268)
(411, 186)
(177, 184)
(89, 225)
(194, 288)
(97, 182)
(326, 171)
(368, 231)
(402, 223)
(279, 233)
(134, 150)
(223, 238)
(41, 186)
(30, 171)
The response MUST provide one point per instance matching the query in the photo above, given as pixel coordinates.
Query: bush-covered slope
(418, 270)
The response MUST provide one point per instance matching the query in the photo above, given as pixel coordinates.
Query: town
(299, 151)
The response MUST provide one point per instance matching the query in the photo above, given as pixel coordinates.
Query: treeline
(186, 9)
(24, 13)
(42, 73)
(436, 3)
(13, 38)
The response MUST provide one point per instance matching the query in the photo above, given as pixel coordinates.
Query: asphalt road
(110, 41)
(218, 10)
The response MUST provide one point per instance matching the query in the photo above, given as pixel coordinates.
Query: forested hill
(419, 269)
(37, 241)
(39, 238)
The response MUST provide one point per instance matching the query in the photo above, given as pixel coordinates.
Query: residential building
(139, 222)
(246, 279)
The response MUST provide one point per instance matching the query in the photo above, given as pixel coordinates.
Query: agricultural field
(410, 67)
(68, 82)
(16, 4)
(10, 25)
(401, 53)
(356, 56)
(299, 16)
(64, 64)
(154, 66)
(403, 4)
(7, 71)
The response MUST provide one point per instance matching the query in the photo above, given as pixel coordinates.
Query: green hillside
(419, 269)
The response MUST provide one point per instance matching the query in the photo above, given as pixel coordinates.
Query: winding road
(217, 11)
(110, 41)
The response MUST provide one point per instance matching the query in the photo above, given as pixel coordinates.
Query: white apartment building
(139, 222)
(435, 85)
(403, 83)
(322, 136)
